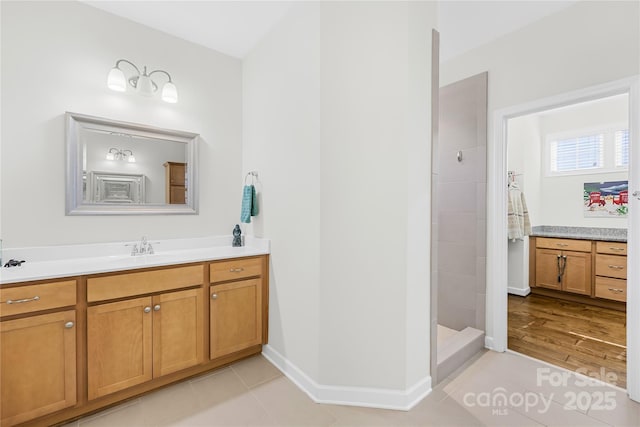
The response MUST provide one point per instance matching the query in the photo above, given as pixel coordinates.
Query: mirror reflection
(124, 168)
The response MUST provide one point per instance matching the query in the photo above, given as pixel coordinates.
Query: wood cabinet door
(118, 345)
(177, 195)
(178, 337)
(177, 174)
(547, 269)
(38, 366)
(236, 316)
(577, 274)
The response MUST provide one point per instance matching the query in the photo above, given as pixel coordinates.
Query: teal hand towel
(247, 200)
(254, 202)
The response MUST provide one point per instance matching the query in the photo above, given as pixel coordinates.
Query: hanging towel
(248, 194)
(519, 224)
(249, 203)
(254, 202)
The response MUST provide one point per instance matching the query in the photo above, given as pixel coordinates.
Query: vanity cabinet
(74, 346)
(611, 271)
(596, 269)
(132, 341)
(175, 183)
(38, 352)
(567, 269)
(236, 309)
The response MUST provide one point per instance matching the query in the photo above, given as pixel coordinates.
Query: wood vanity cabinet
(563, 265)
(597, 269)
(611, 271)
(235, 310)
(132, 341)
(90, 342)
(38, 352)
(175, 183)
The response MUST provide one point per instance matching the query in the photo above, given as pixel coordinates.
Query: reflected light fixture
(141, 82)
(115, 154)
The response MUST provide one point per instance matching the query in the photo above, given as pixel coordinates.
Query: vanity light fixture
(115, 154)
(141, 82)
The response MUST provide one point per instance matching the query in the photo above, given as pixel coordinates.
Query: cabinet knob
(214, 296)
(147, 309)
(68, 325)
(236, 270)
(156, 307)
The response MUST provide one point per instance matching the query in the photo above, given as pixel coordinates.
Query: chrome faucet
(142, 248)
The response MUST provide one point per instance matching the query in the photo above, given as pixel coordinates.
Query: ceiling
(235, 27)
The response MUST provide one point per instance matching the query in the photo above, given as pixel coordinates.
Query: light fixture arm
(161, 71)
(128, 62)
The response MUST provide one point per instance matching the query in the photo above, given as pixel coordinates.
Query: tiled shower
(459, 221)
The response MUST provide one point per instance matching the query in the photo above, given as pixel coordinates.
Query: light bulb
(145, 86)
(131, 159)
(169, 93)
(110, 156)
(116, 80)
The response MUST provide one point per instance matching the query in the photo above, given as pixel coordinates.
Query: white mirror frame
(74, 200)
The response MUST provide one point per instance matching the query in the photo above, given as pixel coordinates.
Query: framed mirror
(120, 168)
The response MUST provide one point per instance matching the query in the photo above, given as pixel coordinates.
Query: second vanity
(583, 264)
(81, 334)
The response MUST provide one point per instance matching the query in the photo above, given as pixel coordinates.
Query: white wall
(55, 58)
(552, 56)
(561, 201)
(557, 200)
(336, 120)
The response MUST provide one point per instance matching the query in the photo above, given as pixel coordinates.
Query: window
(622, 148)
(575, 154)
(586, 151)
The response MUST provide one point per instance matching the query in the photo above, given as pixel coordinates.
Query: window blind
(622, 148)
(584, 152)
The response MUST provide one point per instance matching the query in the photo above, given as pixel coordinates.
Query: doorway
(570, 166)
(497, 249)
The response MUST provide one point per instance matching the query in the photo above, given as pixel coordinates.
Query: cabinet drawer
(564, 244)
(615, 289)
(235, 269)
(144, 282)
(29, 298)
(611, 266)
(613, 248)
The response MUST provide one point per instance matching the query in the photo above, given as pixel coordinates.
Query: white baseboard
(518, 291)
(351, 396)
(488, 343)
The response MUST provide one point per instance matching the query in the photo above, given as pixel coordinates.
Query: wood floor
(575, 336)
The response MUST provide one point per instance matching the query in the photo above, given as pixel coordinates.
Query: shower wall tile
(453, 171)
(458, 282)
(481, 275)
(481, 170)
(481, 237)
(457, 227)
(481, 200)
(455, 317)
(457, 197)
(457, 258)
(458, 136)
(481, 304)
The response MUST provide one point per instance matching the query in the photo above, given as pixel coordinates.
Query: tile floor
(253, 392)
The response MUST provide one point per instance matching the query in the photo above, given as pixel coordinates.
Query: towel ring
(253, 175)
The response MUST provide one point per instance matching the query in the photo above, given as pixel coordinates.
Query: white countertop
(75, 260)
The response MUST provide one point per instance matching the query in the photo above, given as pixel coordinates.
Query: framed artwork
(606, 199)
